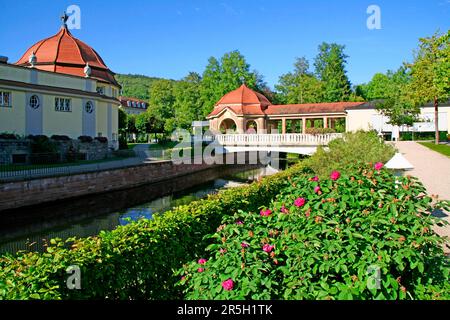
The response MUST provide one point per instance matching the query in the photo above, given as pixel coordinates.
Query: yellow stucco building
(60, 86)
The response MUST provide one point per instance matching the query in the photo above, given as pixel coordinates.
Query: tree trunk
(436, 120)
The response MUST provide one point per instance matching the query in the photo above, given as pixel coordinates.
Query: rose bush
(328, 245)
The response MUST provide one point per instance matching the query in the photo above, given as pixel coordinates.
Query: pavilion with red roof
(244, 110)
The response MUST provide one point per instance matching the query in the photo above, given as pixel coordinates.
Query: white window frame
(63, 104)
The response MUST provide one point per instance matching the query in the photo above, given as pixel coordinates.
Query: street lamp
(399, 164)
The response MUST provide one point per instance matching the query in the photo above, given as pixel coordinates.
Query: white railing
(290, 139)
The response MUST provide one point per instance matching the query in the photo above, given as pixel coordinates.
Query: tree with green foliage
(131, 124)
(330, 69)
(187, 104)
(135, 85)
(161, 104)
(147, 123)
(378, 87)
(221, 77)
(431, 73)
(300, 86)
(122, 121)
(391, 89)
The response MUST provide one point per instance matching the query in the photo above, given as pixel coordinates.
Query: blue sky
(170, 38)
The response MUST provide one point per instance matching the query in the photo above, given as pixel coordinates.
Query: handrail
(290, 139)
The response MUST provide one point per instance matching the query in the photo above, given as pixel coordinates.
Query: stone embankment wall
(19, 194)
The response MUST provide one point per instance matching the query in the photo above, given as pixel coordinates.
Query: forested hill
(135, 85)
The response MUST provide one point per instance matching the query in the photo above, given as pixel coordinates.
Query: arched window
(251, 127)
(228, 126)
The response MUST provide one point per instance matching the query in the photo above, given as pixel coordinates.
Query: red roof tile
(124, 102)
(244, 101)
(63, 53)
(244, 95)
(307, 108)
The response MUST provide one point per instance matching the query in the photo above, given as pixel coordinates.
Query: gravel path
(433, 170)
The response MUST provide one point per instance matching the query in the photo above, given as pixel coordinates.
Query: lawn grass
(441, 148)
(163, 145)
(132, 145)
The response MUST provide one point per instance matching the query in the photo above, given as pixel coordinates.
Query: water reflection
(29, 228)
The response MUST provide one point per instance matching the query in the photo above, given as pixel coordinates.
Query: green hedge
(408, 136)
(136, 261)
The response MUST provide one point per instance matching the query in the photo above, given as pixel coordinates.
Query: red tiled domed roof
(244, 96)
(63, 53)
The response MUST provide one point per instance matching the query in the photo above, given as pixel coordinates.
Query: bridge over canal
(305, 144)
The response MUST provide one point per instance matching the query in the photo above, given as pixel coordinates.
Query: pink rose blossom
(268, 248)
(283, 209)
(239, 222)
(335, 175)
(244, 245)
(200, 270)
(222, 250)
(265, 213)
(202, 261)
(300, 202)
(316, 178)
(316, 189)
(183, 278)
(378, 166)
(228, 285)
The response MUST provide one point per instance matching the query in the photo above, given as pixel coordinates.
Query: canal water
(31, 228)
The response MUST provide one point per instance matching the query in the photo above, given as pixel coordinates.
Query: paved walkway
(433, 170)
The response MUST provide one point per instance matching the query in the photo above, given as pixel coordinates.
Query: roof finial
(242, 79)
(87, 70)
(32, 59)
(64, 19)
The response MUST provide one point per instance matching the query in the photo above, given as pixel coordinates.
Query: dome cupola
(244, 96)
(63, 53)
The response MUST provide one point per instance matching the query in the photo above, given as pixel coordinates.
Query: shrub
(315, 131)
(42, 144)
(136, 261)
(327, 244)
(350, 152)
(102, 139)
(8, 136)
(60, 138)
(408, 136)
(85, 139)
